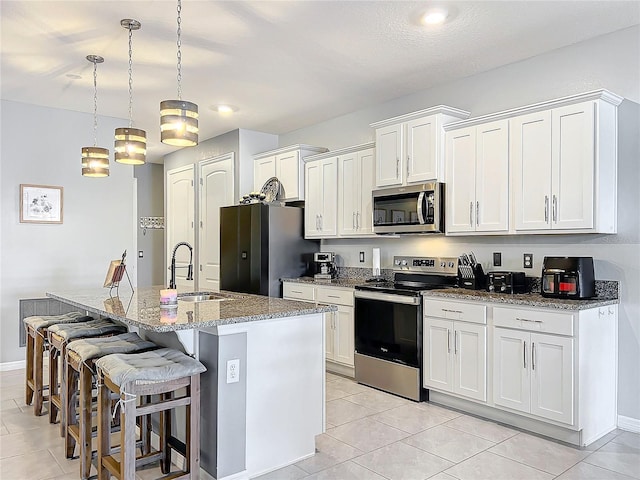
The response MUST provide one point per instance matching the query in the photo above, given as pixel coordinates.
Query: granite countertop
(605, 297)
(141, 308)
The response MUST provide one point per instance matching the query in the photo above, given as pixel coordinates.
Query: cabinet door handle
(455, 342)
(408, 166)
(555, 209)
(524, 355)
(321, 222)
(546, 209)
(357, 220)
(471, 214)
(477, 213)
(398, 168)
(527, 320)
(533, 356)
(448, 341)
(611, 311)
(353, 220)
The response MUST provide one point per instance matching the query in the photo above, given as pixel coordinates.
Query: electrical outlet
(140, 254)
(497, 259)
(233, 370)
(361, 257)
(528, 260)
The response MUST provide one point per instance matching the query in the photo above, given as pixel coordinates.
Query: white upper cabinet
(287, 165)
(321, 206)
(410, 148)
(355, 183)
(477, 160)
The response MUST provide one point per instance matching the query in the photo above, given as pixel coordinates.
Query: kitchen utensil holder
(471, 277)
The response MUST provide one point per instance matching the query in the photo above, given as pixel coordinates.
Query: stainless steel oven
(388, 324)
(411, 209)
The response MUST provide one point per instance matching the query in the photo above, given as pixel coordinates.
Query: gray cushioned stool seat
(41, 322)
(90, 348)
(162, 365)
(92, 328)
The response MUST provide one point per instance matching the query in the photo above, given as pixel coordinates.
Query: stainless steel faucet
(172, 282)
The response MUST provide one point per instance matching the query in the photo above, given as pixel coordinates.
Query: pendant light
(131, 143)
(179, 118)
(95, 160)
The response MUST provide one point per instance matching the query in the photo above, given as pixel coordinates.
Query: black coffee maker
(568, 277)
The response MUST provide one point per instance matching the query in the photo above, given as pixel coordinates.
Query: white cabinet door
(344, 335)
(389, 150)
(313, 202)
(511, 378)
(461, 179)
(348, 194)
(367, 179)
(573, 150)
(263, 170)
(180, 218)
(288, 172)
(492, 177)
(329, 209)
(438, 366)
(421, 157)
(216, 190)
(470, 349)
(530, 159)
(552, 377)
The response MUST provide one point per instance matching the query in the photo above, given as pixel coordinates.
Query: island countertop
(141, 308)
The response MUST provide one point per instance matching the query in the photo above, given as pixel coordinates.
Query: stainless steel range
(388, 324)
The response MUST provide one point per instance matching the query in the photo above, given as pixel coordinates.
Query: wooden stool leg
(145, 429)
(86, 379)
(193, 429)
(63, 391)
(71, 410)
(104, 430)
(37, 374)
(127, 438)
(28, 397)
(165, 434)
(54, 358)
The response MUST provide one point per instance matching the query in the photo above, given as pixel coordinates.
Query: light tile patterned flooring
(370, 435)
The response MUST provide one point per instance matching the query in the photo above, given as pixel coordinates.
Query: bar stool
(161, 372)
(59, 336)
(81, 355)
(36, 328)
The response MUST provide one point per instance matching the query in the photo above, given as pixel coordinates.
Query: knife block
(472, 278)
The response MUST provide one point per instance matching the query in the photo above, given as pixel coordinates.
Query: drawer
(452, 310)
(298, 291)
(335, 296)
(545, 321)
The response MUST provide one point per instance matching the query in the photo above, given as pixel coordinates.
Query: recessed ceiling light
(435, 16)
(224, 109)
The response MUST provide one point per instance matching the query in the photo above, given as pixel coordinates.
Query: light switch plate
(497, 259)
(361, 257)
(528, 260)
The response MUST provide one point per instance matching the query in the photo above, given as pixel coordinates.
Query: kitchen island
(262, 396)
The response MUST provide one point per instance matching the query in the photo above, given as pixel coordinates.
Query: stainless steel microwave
(411, 209)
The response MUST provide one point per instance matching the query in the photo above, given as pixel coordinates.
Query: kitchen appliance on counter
(260, 244)
(325, 265)
(568, 277)
(470, 272)
(411, 209)
(388, 324)
(506, 282)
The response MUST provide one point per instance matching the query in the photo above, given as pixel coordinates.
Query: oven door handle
(387, 297)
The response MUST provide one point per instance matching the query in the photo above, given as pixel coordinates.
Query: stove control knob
(443, 264)
(503, 288)
(450, 264)
(404, 263)
(491, 288)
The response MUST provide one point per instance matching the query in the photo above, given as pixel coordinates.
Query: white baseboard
(629, 424)
(6, 366)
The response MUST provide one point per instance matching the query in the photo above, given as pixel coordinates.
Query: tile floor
(370, 435)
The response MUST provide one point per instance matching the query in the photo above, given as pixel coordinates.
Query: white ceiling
(284, 64)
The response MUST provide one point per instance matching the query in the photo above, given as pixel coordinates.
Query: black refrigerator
(260, 244)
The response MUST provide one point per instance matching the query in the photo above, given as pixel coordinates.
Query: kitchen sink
(204, 297)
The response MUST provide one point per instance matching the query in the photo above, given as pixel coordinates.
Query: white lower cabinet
(455, 352)
(533, 373)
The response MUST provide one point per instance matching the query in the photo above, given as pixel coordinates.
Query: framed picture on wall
(40, 204)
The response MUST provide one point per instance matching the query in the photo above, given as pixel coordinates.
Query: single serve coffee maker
(325, 263)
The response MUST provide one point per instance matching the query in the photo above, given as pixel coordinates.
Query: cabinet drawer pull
(533, 356)
(451, 311)
(527, 320)
(296, 291)
(333, 296)
(524, 355)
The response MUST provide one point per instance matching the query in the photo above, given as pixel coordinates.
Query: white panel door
(530, 160)
(313, 201)
(492, 177)
(573, 161)
(389, 143)
(367, 181)
(461, 180)
(470, 348)
(288, 172)
(511, 378)
(344, 339)
(263, 170)
(329, 210)
(422, 160)
(552, 377)
(180, 217)
(438, 360)
(348, 194)
(216, 190)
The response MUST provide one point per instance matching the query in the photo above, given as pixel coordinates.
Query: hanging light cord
(130, 80)
(179, 52)
(95, 103)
